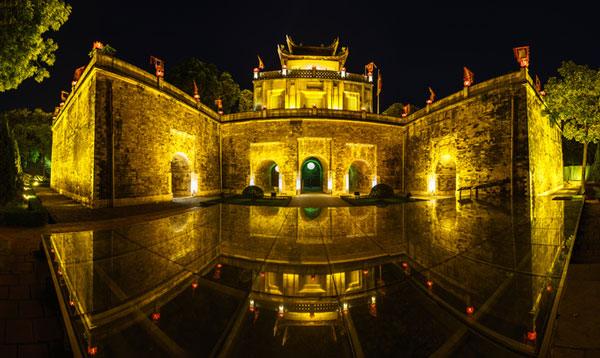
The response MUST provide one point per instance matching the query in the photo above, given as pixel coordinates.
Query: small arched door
(312, 175)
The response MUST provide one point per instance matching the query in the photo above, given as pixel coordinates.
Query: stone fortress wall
(126, 137)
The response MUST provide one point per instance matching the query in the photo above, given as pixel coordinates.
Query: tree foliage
(33, 135)
(24, 53)
(246, 101)
(212, 84)
(397, 109)
(9, 173)
(573, 102)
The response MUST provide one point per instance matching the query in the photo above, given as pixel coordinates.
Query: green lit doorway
(312, 176)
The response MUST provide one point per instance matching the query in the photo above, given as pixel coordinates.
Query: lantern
(365, 271)
(281, 312)
(470, 310)
(251, 304)
(155, 317)
(92, 350)
(195, 285)
(343, 72)
(255, 73)
(468, 77)
(531, 336)
(159, 65)
(522, 55)
(284, 70)
(430, 284)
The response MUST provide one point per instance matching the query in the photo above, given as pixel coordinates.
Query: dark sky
(414, 46)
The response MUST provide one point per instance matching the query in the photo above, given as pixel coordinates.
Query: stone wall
(73, 143)
(132, 126)
(335, 143)
(493, 131)
(120, 130)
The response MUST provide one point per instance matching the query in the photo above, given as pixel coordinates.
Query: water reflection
(249, 281)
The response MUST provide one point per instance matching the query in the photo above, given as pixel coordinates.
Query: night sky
(415, 47)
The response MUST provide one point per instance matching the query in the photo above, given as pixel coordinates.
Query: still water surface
(416, 279)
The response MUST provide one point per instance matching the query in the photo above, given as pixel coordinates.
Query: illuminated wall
(492, 131)
(126, 137)
(119, 135)
(335, 143)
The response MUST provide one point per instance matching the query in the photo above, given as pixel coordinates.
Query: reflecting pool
(438, 278)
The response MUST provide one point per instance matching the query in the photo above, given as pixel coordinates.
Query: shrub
(381, 191)
(253, 192)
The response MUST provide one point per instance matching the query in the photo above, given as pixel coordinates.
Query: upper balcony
(318, 74)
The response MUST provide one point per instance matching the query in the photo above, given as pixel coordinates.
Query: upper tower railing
(319, 74)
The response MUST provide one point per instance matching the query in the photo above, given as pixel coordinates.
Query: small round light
(310, 165)
(277, 168)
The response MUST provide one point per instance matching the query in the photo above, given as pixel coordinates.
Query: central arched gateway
(312, 175)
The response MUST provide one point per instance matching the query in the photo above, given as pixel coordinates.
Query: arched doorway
(181, 178)
(267, 176)
(445, 176)
(359, 177)
(312, 175)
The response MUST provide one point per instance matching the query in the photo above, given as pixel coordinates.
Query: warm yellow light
(35, 183)
(431, 185)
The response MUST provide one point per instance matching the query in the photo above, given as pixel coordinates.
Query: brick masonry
(116, 138)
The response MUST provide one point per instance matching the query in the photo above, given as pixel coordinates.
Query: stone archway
(266, 176)
(312, 175)
(360, 177)
(181, 176)
(445, 176)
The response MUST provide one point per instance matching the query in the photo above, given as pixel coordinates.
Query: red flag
(468, 77)
(431, 96)
(78, 73)
(370, 66)
(196, 95)
(406, 110)
(261, 65)
(378, 82)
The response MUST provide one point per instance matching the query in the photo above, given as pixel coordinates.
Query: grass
(239, 200)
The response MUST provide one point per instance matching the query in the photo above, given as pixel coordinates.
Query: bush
(253, 192)
(381, 191)
(13, 215)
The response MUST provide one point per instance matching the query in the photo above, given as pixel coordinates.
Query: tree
(33, 135)
(212, 84)
(397, 109)
(246, 101)
(24, 52)
(573, 102)
(9, 173)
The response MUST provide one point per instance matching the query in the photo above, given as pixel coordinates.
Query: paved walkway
(577, 327)
(317, 200)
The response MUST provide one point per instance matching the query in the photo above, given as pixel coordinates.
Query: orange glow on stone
(219, 265)
(365, 271)
(470, 310)
(92, 350)
(155, 316)
(195, 285)
(549, 288)
(99, 45)
(312, 277)
(262, 274)
(430, 284)
(404, 264)
(531, 336)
